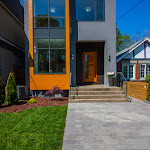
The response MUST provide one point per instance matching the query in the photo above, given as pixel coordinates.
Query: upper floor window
(49, 13)
(90, 10)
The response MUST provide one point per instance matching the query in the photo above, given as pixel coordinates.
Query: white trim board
(130, 49)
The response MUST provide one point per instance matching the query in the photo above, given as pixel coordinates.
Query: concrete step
(96, 89)
(98, 100)
(96, 93)
(97, 96)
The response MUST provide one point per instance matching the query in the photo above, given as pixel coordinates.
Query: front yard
(37, 128)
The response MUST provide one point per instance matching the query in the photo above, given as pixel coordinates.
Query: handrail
(70, 85)
(124, 78)
(126, 84)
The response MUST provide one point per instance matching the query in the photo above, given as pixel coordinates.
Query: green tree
(11, 89)
(127, 41)
(2, 92)
(123, 41)
(148, 93)
(118, 39)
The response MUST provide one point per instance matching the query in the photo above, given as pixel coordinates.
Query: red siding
(137, 70)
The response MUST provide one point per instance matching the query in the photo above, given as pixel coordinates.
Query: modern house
(12, 53)
(69, 41)
(134, 62)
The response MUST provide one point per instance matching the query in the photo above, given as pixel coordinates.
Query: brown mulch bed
(40, 102)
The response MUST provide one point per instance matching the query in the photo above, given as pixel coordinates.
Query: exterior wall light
(109, 58)
(72, 57)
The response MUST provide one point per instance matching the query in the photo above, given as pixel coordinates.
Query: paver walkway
(108, 126)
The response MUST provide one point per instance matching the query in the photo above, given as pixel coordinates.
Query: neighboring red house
(134, 61)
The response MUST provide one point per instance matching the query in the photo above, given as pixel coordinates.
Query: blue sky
(137, 20)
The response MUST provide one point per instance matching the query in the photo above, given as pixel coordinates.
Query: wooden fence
(136, 89)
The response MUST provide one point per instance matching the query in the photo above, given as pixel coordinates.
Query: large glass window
(49, 13)
(90, 10)
(49, 56)
(144, 70)
(40, 13)
(129, 71)
(40, 8)
(41, 63)
(57, 56)
(100, 10)
(41, 43)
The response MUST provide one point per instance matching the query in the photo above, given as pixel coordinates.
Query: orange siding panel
(47, 81)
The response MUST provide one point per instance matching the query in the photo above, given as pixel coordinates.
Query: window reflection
(41, 43)
(41, 22)
(100, 10)
(57, 61)
(85, 10)
(86, 67)
(49, 13)
(57, 43)
(90, 10)
(57, 8)
(57, 22)
(41, 62)
(49, 56)
(40, 8)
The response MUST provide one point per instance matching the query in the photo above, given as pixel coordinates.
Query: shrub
(11, 90)
(55, 90)
(31, 101)
(148, 93)
(2, 92)
(147, 79)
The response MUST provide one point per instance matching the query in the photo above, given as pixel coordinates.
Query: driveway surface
(108, 126)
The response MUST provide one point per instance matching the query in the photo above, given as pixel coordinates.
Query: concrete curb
(147, 102)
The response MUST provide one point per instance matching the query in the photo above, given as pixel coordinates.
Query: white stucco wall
(139, 52)
(147, 50)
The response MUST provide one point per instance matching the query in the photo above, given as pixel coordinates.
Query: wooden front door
(89, 66)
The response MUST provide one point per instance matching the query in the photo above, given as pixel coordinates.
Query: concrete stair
(96, 94)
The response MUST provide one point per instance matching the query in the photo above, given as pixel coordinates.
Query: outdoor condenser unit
(21, 92)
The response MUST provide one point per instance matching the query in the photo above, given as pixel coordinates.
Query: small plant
(148, 92)
(55, 90)
(2, 92)
(147, 79)
(110, 74)
(11, 90)
(31, 101)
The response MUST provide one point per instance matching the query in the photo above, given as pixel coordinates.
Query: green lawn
(33, 129)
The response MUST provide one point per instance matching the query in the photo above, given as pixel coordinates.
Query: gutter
(6, 41)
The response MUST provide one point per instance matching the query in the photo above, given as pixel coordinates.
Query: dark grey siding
(26, 29)
(73, 39)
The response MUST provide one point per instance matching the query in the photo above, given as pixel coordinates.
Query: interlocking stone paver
(108, 126)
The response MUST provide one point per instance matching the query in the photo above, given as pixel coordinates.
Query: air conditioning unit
(21, 92)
